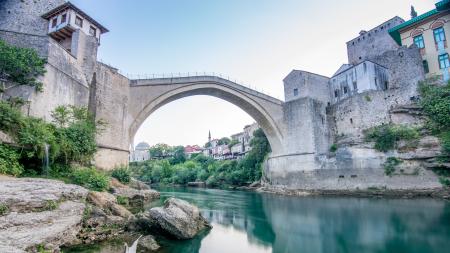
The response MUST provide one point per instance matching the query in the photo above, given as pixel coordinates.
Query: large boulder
(147, 244)
(136, 198)
(41, 212)
(35, 194)
(176, 218)
(107, 202)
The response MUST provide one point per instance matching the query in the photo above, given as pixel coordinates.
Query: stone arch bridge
(125, 104)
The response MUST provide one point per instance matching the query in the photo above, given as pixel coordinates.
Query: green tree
(160, 150)
(224, 141)
(178, 155)
(21, 65)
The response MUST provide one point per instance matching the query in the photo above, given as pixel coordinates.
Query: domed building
(140, 152)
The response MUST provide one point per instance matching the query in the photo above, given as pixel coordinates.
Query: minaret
(209, 136)
(209, 141)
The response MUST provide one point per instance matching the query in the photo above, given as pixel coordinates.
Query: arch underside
(246, 102)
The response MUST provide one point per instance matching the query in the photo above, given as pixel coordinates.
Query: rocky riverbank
(43, 214)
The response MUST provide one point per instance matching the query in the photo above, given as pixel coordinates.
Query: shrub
(21, 65)
(3, 209)
(435, 101)
(121, 200)
(9, 161)
(50, 205)
(122, 174)
(390, 164)
(10, 118)
(386, 136)
(90, 178)
(333, 148)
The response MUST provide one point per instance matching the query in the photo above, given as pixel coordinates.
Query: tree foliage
(21, 65)
(202, 168)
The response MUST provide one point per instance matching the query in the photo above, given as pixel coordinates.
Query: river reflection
(253, 222)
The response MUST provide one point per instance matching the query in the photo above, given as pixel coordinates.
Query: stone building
(375, 62)
(372, 42)
(140, 153)
(429, 32)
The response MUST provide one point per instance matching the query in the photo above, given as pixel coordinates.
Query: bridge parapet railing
(197, 76)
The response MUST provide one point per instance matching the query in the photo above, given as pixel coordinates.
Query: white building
(68, 24)
(351, 79)
(140, 153)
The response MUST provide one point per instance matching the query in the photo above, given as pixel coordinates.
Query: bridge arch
(146, 96)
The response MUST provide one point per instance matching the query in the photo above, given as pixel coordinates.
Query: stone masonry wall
(404, 65)
(372, 43)
(23, 18)
(308, 85)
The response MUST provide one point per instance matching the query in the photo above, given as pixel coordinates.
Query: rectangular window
(355, 85)
(54, 22)
(336, 93)
(444, 62)
(63, 18)
(79, 21)
(418, 40)
(92, 31)
(295, 92)
(439, 34)
(425, 66)
(345, 90)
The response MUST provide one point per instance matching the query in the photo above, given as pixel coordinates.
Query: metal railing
(192, 74)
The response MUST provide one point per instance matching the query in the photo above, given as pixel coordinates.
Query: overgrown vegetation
(90, 178)
(435, 101)
(70, 140)
(21, 65)
(9, 161)
(122, 174)
(390, 165)
(202, 168)
(387, 136)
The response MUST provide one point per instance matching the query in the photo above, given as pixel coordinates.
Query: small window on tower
(355, 85)
(336, 93)
(345, 90)
(54, 22)
(63, 18)
(79, 21)
(92, 31)
(295, 92)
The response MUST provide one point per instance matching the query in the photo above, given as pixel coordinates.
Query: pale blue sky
(257, 42)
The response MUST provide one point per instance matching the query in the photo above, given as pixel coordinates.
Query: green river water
(254, 222)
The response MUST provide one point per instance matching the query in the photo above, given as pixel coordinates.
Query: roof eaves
(68, 5)
(395, 31)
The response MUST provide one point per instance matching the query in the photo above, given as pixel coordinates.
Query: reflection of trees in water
(241, 210)
(357, 225)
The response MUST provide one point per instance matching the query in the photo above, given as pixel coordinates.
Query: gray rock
(21, 232)
(177, 218)
(147, 243)
(138, 185)
(34, 194)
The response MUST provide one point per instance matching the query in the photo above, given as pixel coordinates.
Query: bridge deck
(203, 79)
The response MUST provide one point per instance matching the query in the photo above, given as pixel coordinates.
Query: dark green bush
(390, 165)
(387, 136)
(9, 161)
(90, 178)
(122, 174)
(21, 65)
(333, 148)
(435, 101)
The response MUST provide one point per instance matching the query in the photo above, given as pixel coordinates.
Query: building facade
(140, 152)
(429, 32)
